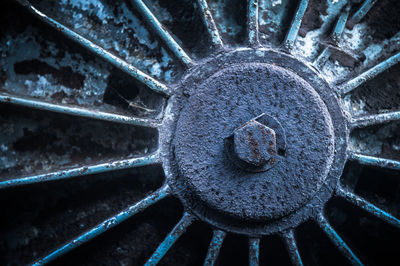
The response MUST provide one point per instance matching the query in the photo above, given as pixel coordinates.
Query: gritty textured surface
(36, 61)
(39, 142)
(225, 101)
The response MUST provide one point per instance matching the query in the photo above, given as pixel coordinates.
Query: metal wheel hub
(221, 96)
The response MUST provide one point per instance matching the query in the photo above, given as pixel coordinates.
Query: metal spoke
(322, 58)
(254, 251)
(295, 26)
(107, 224)
(252, 24)
(82, 170)
(162, 32)
(340, 24)
(371, 120)
(362, 11)
(337, 240)
(336, 35)
(367, 206)
(210, 24)
(369, 74)
(292, 248)
(75, 110)
(152, 83)
(215, 246)
(171, 238)
(375, 161)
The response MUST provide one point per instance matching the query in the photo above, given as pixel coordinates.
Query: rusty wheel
(188, 132)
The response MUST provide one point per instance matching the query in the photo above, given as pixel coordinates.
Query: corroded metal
(254, 145)
(295, 26)
(369, 74)
(101, 52)
(361, 12)
(291, 246)
(215, 246)
(375, 161)
(82, 171)
(337, 240)
(76, 111)
(162, 32)
(201, 172)
(369, 207)
(252, 23)
(171, 238)
(371, 120)
(254, 251)
(107, 224)
(237, 170)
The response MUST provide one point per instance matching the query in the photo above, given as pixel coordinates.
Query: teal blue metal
(83, 170)
(337, 240)
(109, 57)
(336, 35)
(375, 161)
(369, 207)
(162, 32)
(292, 248)
(171, 238)
(107, 224)
(75, 110)
(370, 120)
(215, 246)
(295, 26)
(210, 24)
(252, 28)
(369, 74)
(322, 58)
(254, 251)
(340, 24)
(362, 11)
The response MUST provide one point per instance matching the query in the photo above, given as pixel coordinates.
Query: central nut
(254, 144)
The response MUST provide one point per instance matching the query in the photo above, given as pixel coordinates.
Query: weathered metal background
(84, 89)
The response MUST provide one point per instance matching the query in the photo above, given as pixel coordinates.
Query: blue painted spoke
(252, 28)
(370, 120)
(340, 24)
(337, 240)
(254, 251)
(107, 224)
(296, 22)
(215, 246)
(322, 58)
(375, 161)
(360, 13)
(291, 246)
(162, 32)
(369, 74)
(336, 35)
(367, 206)
(210, 24)
(74, 110)
(83, 170)
(171, 238)
(109, 57)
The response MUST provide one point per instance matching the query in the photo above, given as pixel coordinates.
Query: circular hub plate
(210, 109)
(225, 101)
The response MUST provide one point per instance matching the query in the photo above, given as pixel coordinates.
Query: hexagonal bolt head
(254, 143)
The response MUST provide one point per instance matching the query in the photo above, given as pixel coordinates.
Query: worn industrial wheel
(272, 127)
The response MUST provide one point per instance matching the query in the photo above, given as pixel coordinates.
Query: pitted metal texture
(217, 97)
(227, 100)
(254, 145)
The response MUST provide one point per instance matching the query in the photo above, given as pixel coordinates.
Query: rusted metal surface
(254, 144)
(206, 178)
(249, 108)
